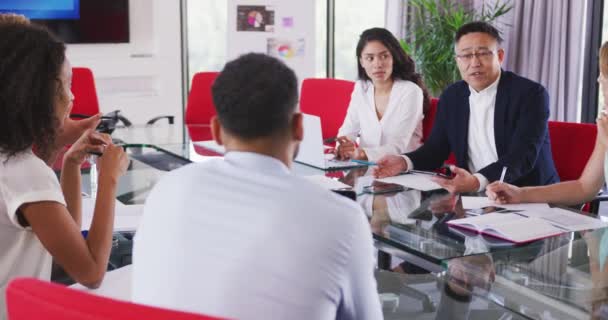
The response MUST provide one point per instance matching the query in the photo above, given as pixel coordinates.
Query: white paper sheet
(481, 202)
(567, 219)
(420, 182)
(326, 182)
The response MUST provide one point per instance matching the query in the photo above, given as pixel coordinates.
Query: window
(207, 22)
(352, 17)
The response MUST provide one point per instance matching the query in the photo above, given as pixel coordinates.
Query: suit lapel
(500, 113)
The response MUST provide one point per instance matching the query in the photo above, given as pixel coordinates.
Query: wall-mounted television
(77, 21)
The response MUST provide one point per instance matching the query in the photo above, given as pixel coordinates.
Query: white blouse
(400, 129)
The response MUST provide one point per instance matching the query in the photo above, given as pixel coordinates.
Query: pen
(367, 163)
(502, 175)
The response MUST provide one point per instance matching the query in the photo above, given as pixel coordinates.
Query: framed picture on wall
(255, 18)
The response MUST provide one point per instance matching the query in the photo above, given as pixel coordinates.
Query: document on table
(211, 145)
(326, 182)
(416, 181)
(512, 227)
(562, 218)
(482, 202)
(567, 219)
(126, 217)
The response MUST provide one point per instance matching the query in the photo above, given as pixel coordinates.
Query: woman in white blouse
(386, 106)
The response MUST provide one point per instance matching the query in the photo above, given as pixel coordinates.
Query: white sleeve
(352, 125)
(26, 179)
(405, 121)
(360, 298)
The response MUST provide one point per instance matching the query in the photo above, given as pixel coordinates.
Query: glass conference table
(563, 277)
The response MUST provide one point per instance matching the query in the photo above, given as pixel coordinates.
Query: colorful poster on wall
(285, 48)
(255, 18)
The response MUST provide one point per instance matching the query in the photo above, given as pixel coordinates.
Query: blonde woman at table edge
(40, 217)
(387, 102)
(569, 192)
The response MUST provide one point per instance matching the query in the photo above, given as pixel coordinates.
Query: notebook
(511, 227)
(311, 150)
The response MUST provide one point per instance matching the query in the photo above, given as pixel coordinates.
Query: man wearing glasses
(493, 119)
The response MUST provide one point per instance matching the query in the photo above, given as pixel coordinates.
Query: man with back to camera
(242, 237)
(491, 120)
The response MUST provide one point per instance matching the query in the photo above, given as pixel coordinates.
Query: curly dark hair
(31, 59)
(404, 67)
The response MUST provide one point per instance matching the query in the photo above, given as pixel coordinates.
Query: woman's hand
(504, 193)
(602, 127)
(113, 163)
(346, 148)
(90, 142)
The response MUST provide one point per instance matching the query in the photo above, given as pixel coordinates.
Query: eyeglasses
(481, 55)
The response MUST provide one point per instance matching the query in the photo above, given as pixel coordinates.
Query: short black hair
(255, 96)
(478, 26)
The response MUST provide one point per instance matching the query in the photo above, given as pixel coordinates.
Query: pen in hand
(502, 175)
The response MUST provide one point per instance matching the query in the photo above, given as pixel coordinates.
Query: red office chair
(328, 99)
(85, 94)
(429, 119)
(200, 106)
(427, 126)
(28, 298)
(571, 146)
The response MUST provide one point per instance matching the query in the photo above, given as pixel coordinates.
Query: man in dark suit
(491, 120)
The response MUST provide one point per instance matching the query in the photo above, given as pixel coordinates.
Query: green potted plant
(431, 39)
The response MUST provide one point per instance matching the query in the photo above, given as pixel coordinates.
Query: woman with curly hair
(40, 216)
(386, 106)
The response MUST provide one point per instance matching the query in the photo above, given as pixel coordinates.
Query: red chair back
(571, 145)
(328, 99)
(85, 94)
(28, 298)
(429, 119)
(200, 108)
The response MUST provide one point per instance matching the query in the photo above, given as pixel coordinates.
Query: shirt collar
(490, 90)
(257, 162)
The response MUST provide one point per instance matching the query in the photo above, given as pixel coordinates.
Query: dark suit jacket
(520, 132)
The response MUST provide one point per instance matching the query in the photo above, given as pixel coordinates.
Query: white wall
(141, 78)
(302, 14)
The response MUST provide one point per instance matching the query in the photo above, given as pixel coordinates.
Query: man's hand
(462, 181)
(389, 166)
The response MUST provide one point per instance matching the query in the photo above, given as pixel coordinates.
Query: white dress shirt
(481, 140)
(399, 130)
(243, 238)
